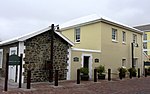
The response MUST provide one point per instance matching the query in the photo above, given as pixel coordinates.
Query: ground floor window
(135, 62)
(123, 62)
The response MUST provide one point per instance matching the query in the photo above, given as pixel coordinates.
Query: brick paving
(116, 86)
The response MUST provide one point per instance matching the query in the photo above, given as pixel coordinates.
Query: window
(1, 57)
(123, 62)
(145, 37)
(13, 50)
(96, 60)
(135, 62)
(77, 35)
(114, 34)
(144, 45)
(134, 38)
(76, 59)
(123, 36)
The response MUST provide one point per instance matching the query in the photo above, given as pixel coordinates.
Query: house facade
(101, 41)
(146, 37)
(36, 50)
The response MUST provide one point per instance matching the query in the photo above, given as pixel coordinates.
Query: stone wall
(38, 53)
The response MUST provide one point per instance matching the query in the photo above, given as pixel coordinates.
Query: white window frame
(77, 35)
(144, 45)
(1, 61)
(135, 63)
(124, 62)
(134, 38)
(145, 37)
(114, 34)
(11, 49)
(123, 36)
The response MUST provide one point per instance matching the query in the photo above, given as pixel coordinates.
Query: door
(12, 73)
(86, 62)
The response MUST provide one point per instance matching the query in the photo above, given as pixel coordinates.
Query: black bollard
(130, 74)
(120, 74)
(95, 75)
(20, 74)
(138, 72)
(56, 77)
(6, 72)
(145, 72)
(28, 79)
(78, 76)
(109, 74)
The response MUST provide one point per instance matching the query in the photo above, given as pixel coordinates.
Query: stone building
(36, 50)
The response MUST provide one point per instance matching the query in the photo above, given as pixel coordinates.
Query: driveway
(116, 86)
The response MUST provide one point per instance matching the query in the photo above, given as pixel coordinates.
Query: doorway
(87, 63)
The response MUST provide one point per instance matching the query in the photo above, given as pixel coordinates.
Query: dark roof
(143, 27)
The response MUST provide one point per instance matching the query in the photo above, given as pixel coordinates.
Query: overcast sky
(18, 17)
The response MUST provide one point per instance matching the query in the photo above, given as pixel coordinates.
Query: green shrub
(133, 71)
(124, 70)
(85, 71)
(101, 69)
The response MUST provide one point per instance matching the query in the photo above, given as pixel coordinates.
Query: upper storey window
(114, 34)
(134, 38)
(77, 34)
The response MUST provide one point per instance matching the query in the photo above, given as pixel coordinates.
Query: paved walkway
(126, 86)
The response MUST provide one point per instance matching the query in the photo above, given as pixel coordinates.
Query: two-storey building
(101, 41)
(146, 37)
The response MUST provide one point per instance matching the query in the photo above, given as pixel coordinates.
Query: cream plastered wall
(90, 36)
(77, 65)
(113, 52)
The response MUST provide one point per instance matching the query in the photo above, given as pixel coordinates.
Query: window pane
(134, 38)
(145, 37)
(77, 35)
(123, 36)
(145, 45)
(123, 62)
(114, 34)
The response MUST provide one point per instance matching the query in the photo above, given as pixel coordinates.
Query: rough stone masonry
(37, 54)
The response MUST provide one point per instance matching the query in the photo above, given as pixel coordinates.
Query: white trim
(69, 64)
(86, 50)
(115, 41)
(90, 63)
(94, 19)
(146, 49)
(32, 34)
(21, 51)
(1, 62)
(146, 40)
(13, 48)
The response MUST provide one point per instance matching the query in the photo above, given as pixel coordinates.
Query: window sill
(115, 41)
(77, 42)
(124, 43)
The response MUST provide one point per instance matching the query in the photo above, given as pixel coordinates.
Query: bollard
(56, 77)
(95, 75)
(130, 74)
(28, 79)
(109, 74)
(20, 74)
(120, 74)
(78, 76)
(6, 72)
(145, 72)
(138, 72)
